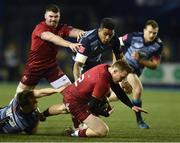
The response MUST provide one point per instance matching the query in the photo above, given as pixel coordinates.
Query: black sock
(46, 113)
(138, 103)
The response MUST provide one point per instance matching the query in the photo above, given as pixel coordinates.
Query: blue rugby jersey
(135, 42)
(92, 49)
(18, 121)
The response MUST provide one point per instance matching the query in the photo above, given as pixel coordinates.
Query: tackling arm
(38, 93)
(57, 40)
(124, 98)
(76, 33)
(121, 94)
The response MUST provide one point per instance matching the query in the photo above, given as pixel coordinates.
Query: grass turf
(163, 117)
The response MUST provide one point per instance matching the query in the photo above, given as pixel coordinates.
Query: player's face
(52, 19)
(150, 33)
(118, 76)
(105, 35)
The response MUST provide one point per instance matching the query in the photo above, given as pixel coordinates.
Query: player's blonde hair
(122, 65)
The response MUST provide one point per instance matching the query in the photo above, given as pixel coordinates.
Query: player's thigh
(96, 124)
(135, 82)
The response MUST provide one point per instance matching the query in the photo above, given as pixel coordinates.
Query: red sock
(82, 133)
(76, 122)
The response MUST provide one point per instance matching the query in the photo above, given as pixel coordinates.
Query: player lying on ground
(22, 115)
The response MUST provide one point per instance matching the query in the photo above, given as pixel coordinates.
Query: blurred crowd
(19, 17)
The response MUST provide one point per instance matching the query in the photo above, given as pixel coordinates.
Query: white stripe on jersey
(80, 58)
(60, 82)
(121, 41)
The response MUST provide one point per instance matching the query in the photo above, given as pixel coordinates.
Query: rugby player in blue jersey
(141, 49)
(94, 43)
(21, 114)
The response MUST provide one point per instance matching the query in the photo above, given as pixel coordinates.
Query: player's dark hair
(108, 23)
(52, 7)
(122, 65)
(24, 97)
(153, 23)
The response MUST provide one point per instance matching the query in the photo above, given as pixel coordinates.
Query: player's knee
(103, 132)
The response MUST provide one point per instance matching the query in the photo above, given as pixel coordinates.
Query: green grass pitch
(163, 117)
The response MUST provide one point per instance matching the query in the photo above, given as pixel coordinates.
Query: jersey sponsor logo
(81, 49)
(124, 38)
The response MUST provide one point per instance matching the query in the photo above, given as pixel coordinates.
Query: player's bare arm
(151, 64)
(47, 91)
(57, 40)
(76, 33)
(76, 69)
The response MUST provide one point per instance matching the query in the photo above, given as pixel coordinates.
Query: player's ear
(45, 15)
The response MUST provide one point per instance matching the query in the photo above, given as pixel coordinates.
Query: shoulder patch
(124, 38)
(81, 49)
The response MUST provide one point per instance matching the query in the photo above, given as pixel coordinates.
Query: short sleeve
(64, 30)
(40, 29)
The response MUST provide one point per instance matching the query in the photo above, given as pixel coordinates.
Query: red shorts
(31, 77)
(78, 109)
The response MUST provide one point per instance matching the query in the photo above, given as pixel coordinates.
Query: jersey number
(80, 79)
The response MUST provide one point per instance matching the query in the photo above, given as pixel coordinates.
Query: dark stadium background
(18, 18)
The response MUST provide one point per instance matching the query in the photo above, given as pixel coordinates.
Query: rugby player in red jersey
(83, 98)
(41, 62)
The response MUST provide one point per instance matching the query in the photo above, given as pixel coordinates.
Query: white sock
(75, 134)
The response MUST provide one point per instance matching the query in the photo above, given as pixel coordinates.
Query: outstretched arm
(57, 40)
(38, 93)
(124, 98)
(76, 33)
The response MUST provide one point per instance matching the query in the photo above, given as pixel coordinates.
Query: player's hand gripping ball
(105, 106)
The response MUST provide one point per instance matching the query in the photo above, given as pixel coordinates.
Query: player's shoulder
(90, 34)
(115, 38)
(114, 41)
(132, 35)
(89, 37)
(41, 25)
(63, 25)
(102, 68)
(103, 72)
(137, 34)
